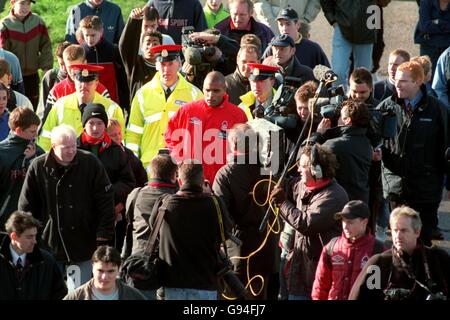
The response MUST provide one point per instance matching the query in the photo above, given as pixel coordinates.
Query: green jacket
(214, 18)
(29, 41)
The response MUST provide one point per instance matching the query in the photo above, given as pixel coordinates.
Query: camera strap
(221, 227)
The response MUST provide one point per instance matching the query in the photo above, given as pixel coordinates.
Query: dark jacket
(393, 276)
(263, 32)
(352, 18)
(117, 165)
(141, 212)
(237, 86)
(311, 214)
(298, 70)
(85, 292)
(41, 278)
(13, 168)
(417, 154)
(354, 154)
(138, 71)
(113, 75)
(136, 166)
(176, 14)
(190, 238)
(234, 183)
(383, 89)
(75, 204)
(308, 53)
(429, 31)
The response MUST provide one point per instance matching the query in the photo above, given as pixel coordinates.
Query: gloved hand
(278, 195)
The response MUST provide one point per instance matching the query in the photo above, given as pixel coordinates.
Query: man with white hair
(69, 191)
(409, 271)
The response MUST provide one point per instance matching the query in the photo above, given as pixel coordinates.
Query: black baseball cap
(354, 209)
(282, 40)
(287, 14)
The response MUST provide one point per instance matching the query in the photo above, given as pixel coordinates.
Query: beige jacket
(266, 11)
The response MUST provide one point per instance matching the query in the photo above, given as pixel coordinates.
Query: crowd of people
(187, 120)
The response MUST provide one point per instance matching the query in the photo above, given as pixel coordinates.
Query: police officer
(156, 102)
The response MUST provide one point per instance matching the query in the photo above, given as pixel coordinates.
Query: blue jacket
(176, 14)
(109, 13)
(4, 128)
(433, 27)
(441, 76)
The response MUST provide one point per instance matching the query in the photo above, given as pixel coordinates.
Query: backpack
(377, 248)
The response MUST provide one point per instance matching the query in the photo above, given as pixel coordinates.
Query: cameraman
(352, 148)
(217, 52)
(410, 270)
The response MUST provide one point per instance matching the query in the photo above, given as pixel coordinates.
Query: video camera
(196, 53)
(282, 112)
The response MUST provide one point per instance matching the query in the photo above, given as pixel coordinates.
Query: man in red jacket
(199, 129)
(344, 257)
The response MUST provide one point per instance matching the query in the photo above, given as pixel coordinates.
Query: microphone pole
(293, 154)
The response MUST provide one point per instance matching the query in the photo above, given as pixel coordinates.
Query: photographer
(415, 159)
(410, 270)
(207, 51)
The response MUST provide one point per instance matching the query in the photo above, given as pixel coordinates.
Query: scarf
(104, 141)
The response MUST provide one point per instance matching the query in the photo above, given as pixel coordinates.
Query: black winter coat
(117, 165)
(41, 278)
(75, 204)
(190, 239)
(354, 154)
(352, 18)
(234, 184)
(415, 162)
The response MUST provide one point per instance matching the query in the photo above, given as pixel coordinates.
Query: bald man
(199, 129)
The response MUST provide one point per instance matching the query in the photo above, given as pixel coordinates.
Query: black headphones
(316, 169)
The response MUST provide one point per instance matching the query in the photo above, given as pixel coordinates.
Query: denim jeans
(76, 274)
(189, 294)
(342, 48)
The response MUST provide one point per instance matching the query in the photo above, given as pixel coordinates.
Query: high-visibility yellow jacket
(248, 100)
(66, 111)
(150, 114)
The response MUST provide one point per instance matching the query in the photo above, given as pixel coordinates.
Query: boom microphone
(323, 73)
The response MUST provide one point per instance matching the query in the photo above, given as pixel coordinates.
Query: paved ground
(399, 22)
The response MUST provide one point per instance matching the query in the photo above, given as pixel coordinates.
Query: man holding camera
(409, 271)
(415, 159)
(352, 148)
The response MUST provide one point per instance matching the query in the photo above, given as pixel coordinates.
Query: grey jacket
(85, 292)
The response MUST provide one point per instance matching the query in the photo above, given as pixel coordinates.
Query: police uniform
(151, 110)
(67, 109)
(259, 72)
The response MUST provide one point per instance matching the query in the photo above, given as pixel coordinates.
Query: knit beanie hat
(94, 110)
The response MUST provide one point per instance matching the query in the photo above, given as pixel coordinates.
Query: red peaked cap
(86, 72)
(261, 71)
(167, 52)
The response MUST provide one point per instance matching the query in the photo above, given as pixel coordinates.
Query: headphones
(316, 169)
